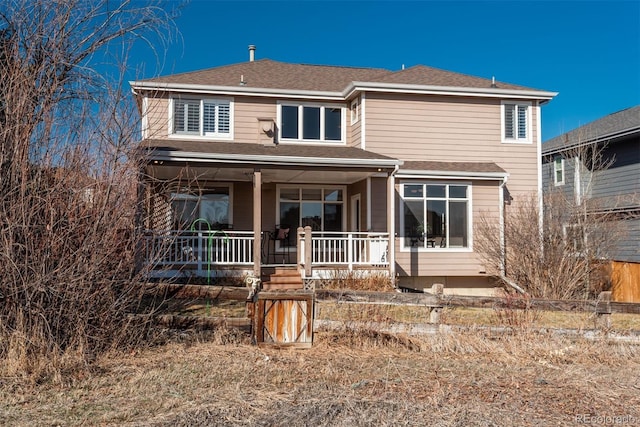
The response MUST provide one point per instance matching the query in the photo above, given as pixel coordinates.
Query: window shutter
(522, 122)
(209, 118)
(193, 116)
(178, 116)
(509, 118)
(224, 125)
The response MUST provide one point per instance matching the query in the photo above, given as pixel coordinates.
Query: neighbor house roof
(268, 77)
(616, 125)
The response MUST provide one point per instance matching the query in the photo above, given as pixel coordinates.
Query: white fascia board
(271, 160)
(409, 174)
(447, 90)
(233, 90)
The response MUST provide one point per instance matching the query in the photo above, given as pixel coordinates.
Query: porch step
(284, 279)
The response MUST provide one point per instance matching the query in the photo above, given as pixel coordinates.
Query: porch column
(257, 221)
(391, 223)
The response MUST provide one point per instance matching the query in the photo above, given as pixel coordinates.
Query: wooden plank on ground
(199, 322)
(382, 298)
(201, 291)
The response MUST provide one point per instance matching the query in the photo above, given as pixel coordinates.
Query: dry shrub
(68, 204)
(558, 260)
(516, 311)
(360, 281)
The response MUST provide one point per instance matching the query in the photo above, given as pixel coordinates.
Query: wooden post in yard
(257, 222)
(603, 311)
(434, 315)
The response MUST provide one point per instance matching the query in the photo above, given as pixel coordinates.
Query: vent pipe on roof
(252, 52)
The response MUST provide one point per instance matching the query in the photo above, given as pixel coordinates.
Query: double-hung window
(516, 122)
(314, 123)
(558, 170)
(435, 215)
(202, 117)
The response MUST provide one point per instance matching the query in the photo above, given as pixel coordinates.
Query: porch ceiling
(217, 173)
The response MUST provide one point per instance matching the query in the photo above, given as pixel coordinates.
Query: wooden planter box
(284, 319)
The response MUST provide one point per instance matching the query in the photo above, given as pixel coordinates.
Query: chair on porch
(281, 235)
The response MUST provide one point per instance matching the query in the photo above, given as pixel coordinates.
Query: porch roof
(464, 170)
(235, 161)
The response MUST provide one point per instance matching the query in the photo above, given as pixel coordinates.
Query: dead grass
(352, 377)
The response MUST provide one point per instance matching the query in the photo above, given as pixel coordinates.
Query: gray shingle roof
(618, 123)
(423, 75)
(269, 74)
(339, 153)
(476, 167)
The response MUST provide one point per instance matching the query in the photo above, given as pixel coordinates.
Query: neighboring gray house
(616, 188)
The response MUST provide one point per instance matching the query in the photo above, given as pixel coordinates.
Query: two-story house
(330, 168)
(606, 185)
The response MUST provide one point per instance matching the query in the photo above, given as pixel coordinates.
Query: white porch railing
(347, 248)
(199, 249)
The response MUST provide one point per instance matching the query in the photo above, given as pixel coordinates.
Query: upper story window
(355, 111)
(313, 123)
(558, 170)
(516, 122)
(210, 118)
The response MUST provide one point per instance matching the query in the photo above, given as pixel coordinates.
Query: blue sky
(588, 51)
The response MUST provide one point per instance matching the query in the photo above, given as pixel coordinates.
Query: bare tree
(557, 251)
(68, 171)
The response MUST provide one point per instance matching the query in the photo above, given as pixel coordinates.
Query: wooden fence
(435, 302)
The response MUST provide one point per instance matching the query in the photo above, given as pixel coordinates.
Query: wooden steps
(284, 279)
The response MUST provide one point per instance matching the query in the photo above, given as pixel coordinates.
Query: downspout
(392, 221)
(503, 242)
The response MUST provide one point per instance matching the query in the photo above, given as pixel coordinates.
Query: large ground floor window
(321, 208)
(208, 208)
(435, 215)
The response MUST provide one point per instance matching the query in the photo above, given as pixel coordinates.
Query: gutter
(453, 175)
(272, 160)
(351, 89)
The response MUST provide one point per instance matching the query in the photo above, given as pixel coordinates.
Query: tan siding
(158, 118)
(246, 113)
(438, 128)
(378, 204)
(242, 206)
(360, 188)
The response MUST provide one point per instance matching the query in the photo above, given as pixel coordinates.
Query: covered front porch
(225, 209)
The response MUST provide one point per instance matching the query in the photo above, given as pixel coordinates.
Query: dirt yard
(349, 377)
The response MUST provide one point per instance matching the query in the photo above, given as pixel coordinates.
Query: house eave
(351, 89)
(233, 90)
(238, 159)
(355, 87)
(456, 175)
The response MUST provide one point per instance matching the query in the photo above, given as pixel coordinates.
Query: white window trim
(219, 137)
(322, 106)
(469, 199)
(354, 109)
(516, 140)
(555, 172)
(144, 121)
